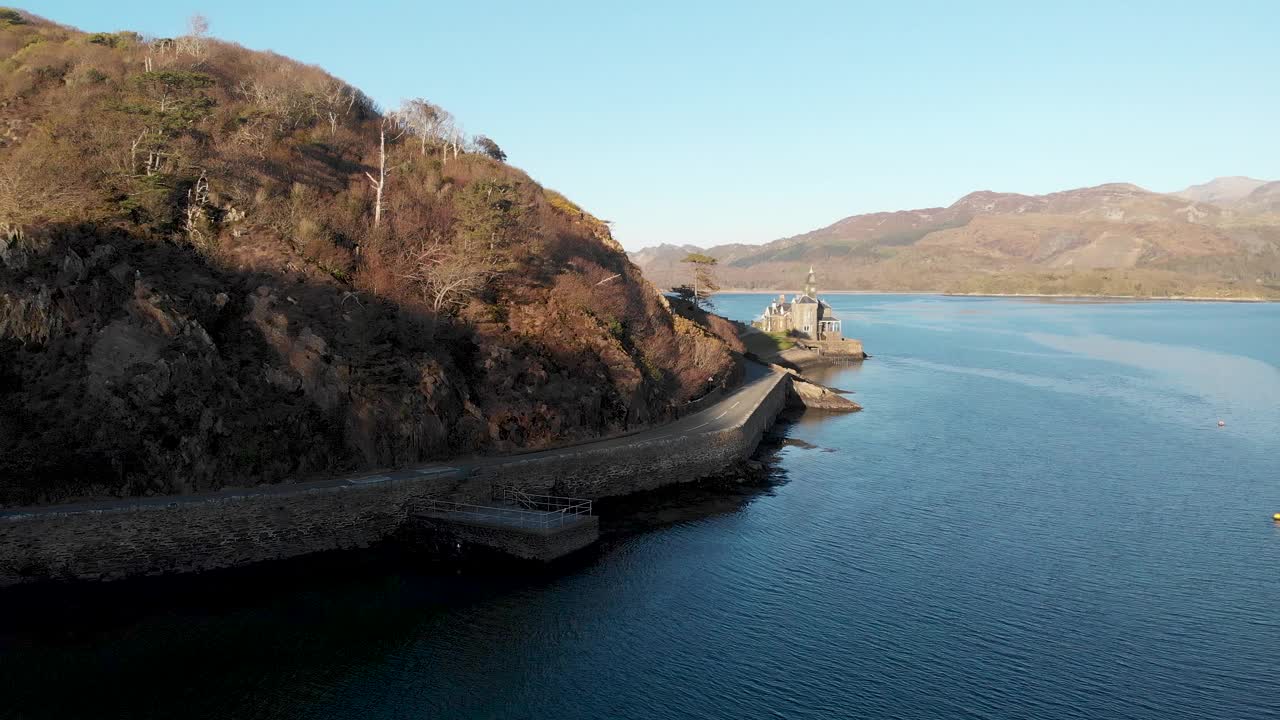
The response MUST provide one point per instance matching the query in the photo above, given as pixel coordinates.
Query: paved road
(727, 412)
(732, 409)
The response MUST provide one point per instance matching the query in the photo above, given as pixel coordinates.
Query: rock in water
(813, 396)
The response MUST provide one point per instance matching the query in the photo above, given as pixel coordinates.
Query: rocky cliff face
(129, 366)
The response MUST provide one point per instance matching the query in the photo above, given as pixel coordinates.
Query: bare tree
(286, 99)
(449, 133)
(193, 42)
(197, 218)
(447, 275)
(454, 139)
(431, 124)
(380, 183)
(160, 47)
(338, 100)
(197, 26)
(422, 119)
(133, 150)
(150, 141)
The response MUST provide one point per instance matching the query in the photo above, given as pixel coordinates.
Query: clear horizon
(729, 123)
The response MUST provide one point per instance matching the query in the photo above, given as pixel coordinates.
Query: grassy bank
(763, 344)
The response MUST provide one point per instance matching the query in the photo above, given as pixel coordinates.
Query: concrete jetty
(533, 527)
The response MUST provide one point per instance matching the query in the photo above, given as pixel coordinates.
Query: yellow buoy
(1276, 517)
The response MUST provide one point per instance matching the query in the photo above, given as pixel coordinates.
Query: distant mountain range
(1219, 239)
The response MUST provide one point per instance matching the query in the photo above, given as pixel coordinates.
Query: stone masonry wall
(116, 539)
(593, 472)
(216, 532)
(522, 543)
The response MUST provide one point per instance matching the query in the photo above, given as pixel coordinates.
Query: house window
(806, 328)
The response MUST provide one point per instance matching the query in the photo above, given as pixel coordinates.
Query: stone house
(805, 315)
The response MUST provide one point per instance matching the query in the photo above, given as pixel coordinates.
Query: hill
(1263, 200)
(1115, 239)
(1222, 191)
(220, 266)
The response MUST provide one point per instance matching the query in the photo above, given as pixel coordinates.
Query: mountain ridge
(1114, 238)
(1222, 190)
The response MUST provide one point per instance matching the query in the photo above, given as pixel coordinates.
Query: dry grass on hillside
(198, 285)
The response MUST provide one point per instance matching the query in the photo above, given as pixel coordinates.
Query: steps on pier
(534, 527)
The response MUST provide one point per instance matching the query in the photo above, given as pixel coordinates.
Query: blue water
(1036, 516)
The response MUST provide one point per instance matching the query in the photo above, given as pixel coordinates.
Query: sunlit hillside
(1112, 239)
(222, 266)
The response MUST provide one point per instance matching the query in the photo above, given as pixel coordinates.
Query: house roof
(805, 300)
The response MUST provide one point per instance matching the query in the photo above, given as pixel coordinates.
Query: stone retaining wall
(592, 472)
(115, 539)
(804, 358)
(216, 532)
(545, 545)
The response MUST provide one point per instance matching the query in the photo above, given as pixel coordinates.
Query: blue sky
(713, 122)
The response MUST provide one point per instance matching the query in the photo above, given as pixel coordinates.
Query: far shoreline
(940, 293)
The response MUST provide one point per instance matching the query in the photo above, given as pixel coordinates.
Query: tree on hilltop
(704, 280)
(195, 41)
(428, 122)
(490, 148)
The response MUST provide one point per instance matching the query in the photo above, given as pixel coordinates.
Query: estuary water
(1036, 516)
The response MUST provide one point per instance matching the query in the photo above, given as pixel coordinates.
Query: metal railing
(541, 503)
(520, 509)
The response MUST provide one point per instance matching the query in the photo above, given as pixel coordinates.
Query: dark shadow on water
(252, 642)
(720, 495)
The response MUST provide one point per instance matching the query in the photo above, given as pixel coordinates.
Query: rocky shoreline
(813, 395)
(804, 392)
